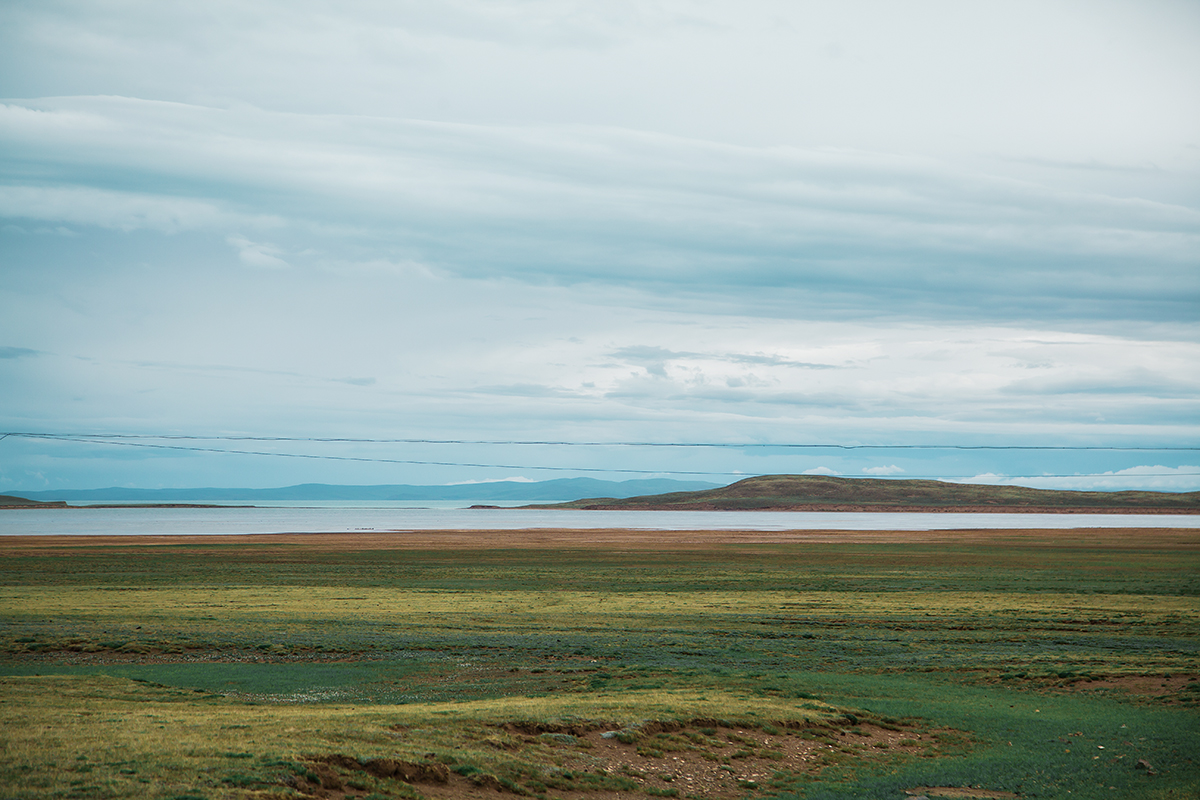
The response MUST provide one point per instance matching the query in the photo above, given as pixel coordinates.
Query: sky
(761, 223)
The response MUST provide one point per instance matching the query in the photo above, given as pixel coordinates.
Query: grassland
(600, 665)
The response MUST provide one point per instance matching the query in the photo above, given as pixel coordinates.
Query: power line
(120, 441)
(376, 460)
(562, 443)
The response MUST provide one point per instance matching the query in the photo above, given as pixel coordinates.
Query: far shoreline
(62, 504)
(822, 508)
(831, 508)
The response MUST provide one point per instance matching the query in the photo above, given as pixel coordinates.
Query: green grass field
(1032, 667)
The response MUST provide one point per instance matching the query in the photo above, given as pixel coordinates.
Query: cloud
(659, 355)
(105, 208)
(650, 65)
(1144, 477)
(888, 470)
(820, 471)
(523, 390)
(1133, 380)
(643, 352)
(41, 230)
(776, 361)
(18, 352)
(255, 254)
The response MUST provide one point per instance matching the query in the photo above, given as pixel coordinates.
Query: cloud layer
(839, 231)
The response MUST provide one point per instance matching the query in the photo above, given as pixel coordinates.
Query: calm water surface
(217, 521)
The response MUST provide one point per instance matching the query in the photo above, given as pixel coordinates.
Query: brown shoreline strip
(825, 508)
(1186, 539)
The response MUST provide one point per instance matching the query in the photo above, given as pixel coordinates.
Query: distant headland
(827, 493)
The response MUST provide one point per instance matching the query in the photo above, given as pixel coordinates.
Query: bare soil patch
(1143, 684)
(703, 759)
(1174, 689)
(1166, 687)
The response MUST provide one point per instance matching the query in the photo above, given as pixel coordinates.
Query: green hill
(825, 493)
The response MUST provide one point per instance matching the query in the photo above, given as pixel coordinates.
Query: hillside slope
(825, 493)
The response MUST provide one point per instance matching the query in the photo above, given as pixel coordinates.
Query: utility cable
(558, 443)
(119, 440)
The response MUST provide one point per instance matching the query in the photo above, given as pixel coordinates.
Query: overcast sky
(773, 222)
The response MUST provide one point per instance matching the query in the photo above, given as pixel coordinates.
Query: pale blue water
(216, 521)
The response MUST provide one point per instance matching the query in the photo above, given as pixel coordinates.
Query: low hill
(825, 493)
(12, 501)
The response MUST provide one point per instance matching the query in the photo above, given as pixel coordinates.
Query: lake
(217, 521)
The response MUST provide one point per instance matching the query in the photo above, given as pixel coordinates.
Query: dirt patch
(732, 760)
(1179, 687)
(1141, 684)
(703, 759)
(336, 775)
(1169, 688)
(407, 771)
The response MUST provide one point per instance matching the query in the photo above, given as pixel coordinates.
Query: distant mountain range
(763, 493)
(824, 493)
(561, 489)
